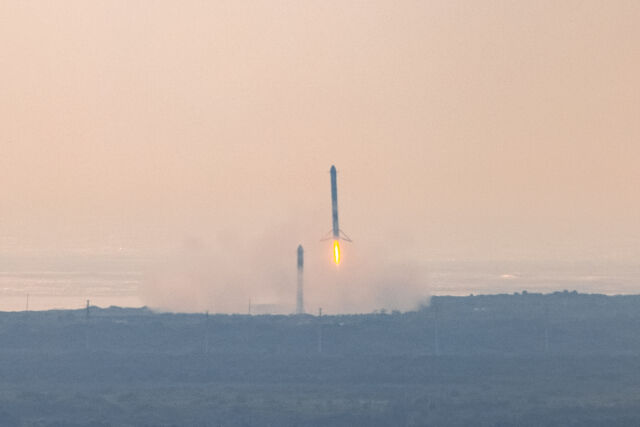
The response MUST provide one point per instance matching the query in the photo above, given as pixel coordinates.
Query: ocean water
(45, 290)
(67, 281)
(464, 278)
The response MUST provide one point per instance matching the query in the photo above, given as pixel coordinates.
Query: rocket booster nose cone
(333, 169)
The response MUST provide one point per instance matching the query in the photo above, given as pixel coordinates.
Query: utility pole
(86, 331)
(320, 330)
(546, 328)
(206, 332)
(436, 335)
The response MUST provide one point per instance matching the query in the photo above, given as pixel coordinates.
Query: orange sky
(460, 129)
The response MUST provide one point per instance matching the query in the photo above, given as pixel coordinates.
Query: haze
(199, 135)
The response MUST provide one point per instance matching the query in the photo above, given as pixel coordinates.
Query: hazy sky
(461, 129)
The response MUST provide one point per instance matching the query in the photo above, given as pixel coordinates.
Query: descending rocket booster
(336, 233)
(334, 203)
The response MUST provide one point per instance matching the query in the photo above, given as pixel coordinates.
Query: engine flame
(336, 252)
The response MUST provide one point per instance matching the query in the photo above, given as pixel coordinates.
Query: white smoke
(224, 276)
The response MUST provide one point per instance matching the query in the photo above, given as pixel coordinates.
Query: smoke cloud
(227, 275)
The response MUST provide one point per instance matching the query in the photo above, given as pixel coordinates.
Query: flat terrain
(524, 359)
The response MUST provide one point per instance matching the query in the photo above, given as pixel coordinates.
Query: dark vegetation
(527, 359)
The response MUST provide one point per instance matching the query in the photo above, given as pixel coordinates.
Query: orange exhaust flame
(336, 252)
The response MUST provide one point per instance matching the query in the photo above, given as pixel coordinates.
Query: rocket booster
(334, 203)
(335, 233)
(300, 286)
(300, 257)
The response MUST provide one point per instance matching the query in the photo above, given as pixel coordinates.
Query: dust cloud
(225, 276)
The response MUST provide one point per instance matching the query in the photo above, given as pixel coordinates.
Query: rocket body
(300, 287)
(336, 233)
(300, 257)
(334, 203)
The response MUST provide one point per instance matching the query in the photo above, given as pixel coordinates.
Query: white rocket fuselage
(300, 282)
(334, 203)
